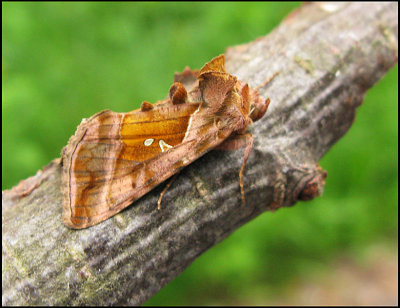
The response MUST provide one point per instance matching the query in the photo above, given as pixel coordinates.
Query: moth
(115, 158)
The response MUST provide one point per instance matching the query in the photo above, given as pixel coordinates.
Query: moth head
(259, 107)
(255, 105)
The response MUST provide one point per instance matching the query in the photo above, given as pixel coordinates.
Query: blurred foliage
(66, 61)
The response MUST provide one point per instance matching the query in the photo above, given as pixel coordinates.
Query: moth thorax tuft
(177, 93)
(146, 106)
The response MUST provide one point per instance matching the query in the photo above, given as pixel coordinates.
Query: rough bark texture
(325, 55)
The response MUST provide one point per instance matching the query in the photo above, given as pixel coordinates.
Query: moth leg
(236, 142)
(165, 190)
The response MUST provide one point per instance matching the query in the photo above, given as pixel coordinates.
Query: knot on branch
(297, 184)
(312, 185)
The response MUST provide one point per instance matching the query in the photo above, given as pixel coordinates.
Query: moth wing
(115, 158)
(217, 64)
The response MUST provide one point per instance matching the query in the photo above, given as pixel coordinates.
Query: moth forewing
(115, 158)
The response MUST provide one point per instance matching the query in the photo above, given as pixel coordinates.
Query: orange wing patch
(146, 135)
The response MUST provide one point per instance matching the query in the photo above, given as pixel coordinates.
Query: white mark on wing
(164, 145)
(190, 122)
(148, 142)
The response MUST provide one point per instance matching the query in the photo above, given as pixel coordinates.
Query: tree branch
(323, 58)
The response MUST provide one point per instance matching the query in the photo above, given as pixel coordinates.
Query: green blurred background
(66, 61)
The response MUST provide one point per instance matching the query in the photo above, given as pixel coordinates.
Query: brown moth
(115, 158)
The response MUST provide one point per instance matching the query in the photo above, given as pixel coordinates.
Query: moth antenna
(146, 106)
(177, 93)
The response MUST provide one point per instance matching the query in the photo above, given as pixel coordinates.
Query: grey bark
(322, 57)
